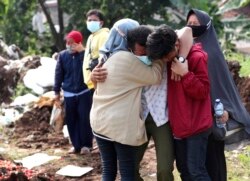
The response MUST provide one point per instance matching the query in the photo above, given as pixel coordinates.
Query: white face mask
(93, 26)
(69, 48)
(145, 60)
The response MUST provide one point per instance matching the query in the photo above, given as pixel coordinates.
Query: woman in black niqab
(222, 87)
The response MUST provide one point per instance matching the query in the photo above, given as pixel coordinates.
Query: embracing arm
(98, 74)
(196, 82)
(194, 75)
(186, 41)
(146, 75)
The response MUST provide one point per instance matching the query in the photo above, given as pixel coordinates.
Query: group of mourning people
(134, 83)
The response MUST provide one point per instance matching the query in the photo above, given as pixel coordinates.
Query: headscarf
(221, 80)
(117, 39)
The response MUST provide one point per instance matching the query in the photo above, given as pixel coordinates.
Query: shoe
(85, 150)
(72, 150)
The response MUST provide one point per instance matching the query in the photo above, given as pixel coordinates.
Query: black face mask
(198, 30)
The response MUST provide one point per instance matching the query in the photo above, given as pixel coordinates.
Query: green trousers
(163, 140)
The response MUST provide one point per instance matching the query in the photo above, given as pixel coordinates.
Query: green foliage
(245, 67)
(141, 10)
(16, 27)
(198, 4)
(229, 5)
(236, 28)
(16, 17)
(244, 3)
(2, 9)
(21, 90)
(16, 23)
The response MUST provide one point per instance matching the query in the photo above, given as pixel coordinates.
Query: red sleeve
(196, 82)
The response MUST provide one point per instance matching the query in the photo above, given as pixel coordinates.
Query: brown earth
(32, 134)
(242, 83)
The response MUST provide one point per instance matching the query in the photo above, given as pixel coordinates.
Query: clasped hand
(178, 69)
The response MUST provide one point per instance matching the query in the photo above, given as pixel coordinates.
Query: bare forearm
(186, 40)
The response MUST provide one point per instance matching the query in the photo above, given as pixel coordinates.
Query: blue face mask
(145, 60)
(93, 26)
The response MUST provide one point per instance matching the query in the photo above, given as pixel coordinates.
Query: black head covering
(221, 80)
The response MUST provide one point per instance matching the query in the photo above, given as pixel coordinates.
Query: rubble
(12, 73)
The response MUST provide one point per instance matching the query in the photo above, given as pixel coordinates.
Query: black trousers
(77, 110)
(216, 161)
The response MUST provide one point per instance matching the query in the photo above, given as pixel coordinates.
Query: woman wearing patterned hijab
(222, 87)
(115, 114)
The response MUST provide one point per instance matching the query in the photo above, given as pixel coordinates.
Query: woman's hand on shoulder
(99, 74)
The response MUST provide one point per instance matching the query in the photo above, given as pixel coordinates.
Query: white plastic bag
(57, 118)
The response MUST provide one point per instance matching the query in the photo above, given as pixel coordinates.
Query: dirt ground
(32, 133)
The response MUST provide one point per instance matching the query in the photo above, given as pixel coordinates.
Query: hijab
(221, 80)
(117, 39)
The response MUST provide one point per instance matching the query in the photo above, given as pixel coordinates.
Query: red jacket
(189, 99)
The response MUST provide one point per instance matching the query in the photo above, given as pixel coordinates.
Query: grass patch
(238, 164)
(245, 68)
(243, 59)
(244, 158)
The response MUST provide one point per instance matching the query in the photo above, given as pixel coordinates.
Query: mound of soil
(242, 83)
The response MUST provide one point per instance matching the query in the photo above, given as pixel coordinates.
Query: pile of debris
(12, 73)
(33, 128)
(242, 83)
(14, 171)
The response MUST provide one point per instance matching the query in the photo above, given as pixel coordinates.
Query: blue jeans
(191, 157)
(111, 152)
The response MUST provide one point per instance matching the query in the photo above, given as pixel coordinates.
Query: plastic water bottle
(218, 110)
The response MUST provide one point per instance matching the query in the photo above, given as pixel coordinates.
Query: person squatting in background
(77, 96)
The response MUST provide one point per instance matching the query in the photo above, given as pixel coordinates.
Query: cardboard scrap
(73, 171)
(36, 160)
